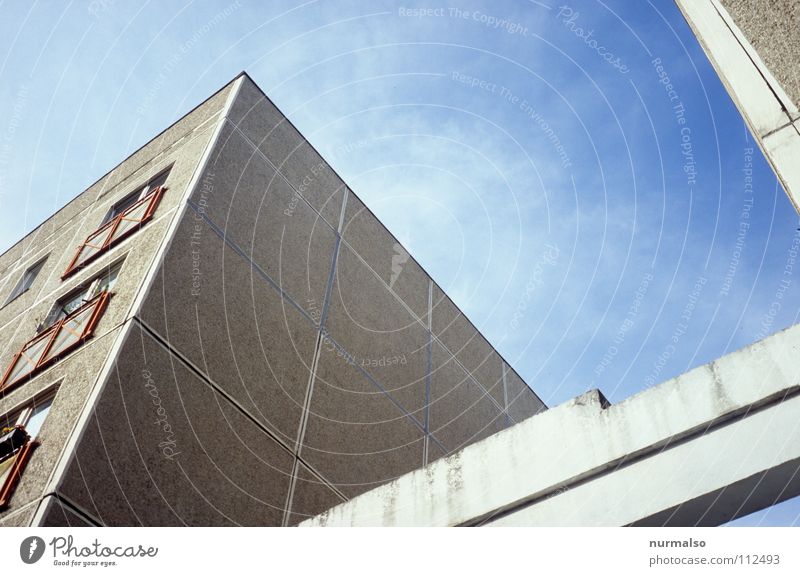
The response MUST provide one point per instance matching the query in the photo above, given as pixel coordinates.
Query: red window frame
(43, 358)
(21, 460)
(102, 239)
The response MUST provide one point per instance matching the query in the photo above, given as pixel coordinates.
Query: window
(26, 281)
(68, 304)
(17, 441)
(69, 324)
(129, 200)
(123, 219)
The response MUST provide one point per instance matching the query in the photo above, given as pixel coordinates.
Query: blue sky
(599, 237)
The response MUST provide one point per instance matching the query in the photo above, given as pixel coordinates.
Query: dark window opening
(26, 280)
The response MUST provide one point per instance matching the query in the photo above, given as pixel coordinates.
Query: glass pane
(157, 181)
(93, 244)
(71, 303)
(28, 359)
(30, 275)
(18, 289)
(121, 206)
(5, 468)
(106, 283)
(26, 281)
(34, 349)
(87, 251)
(70, 332)
(69, 306)
(131, 219)
(54, 316)
(38, 415)
(64, 338)
(8, 420)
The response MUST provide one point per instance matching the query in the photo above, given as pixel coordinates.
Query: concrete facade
(269, 351)
(77, 375)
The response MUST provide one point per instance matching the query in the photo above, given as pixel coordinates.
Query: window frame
(106, 234)
(140, 193)
(43, 359)
(115, 211)
(89, 289)
(23, 453)
(18, 291)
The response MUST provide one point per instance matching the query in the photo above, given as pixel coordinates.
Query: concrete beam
(711, 445)
(762, 101)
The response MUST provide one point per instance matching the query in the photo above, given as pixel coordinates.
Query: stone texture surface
(76, 373)
(773, 28)
(386, 256)
(356, 437)
(266, 209)
(378, 333)
(471, 349)
(244, 197)
(25, 313)
(19, 517)
(234, 326)
(165, 143)
(75, 376)
(460, 412)
(127, 173)
(571, 464)
(58, 514)
(163, 448)
(287, 150)
(522, 402)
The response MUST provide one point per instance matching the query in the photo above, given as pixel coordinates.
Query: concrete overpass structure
(709, 446)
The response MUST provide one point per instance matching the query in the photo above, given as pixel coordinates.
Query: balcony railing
(110, 233)
(63, 336)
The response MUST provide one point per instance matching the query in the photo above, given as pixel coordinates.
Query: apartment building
(219, 332)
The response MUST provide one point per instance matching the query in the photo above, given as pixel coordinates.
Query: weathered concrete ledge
(715, 443)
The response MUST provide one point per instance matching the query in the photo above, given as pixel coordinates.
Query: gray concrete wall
(222, 468)
(77, 374)
(272, 328)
